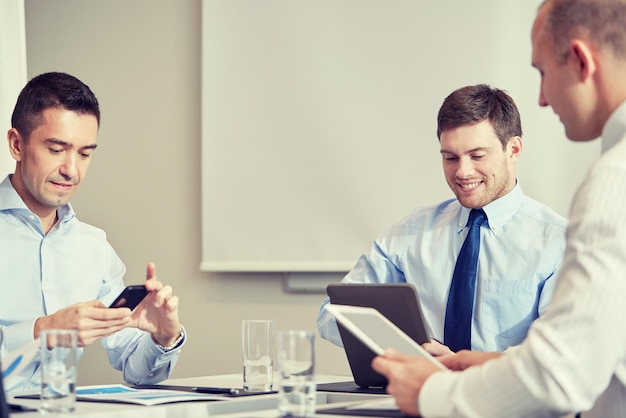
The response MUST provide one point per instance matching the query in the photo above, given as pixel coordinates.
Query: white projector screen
(319, 121)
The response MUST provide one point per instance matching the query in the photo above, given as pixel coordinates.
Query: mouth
(468, 187)
(62, 186)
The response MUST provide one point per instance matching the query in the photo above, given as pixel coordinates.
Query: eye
(478, 157)
(55, 150)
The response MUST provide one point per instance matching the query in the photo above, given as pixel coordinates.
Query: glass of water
(257, 347)
(58, 370)
(296, 371)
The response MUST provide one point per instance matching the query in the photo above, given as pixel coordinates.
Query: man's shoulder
(78, 227)
(427, 217)
(450, 206)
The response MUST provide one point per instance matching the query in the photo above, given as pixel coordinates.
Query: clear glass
(257, 348)
(296, 373)
(58, 370)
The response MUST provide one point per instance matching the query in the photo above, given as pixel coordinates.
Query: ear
(15, 144)
(515, 147)
(583, 58)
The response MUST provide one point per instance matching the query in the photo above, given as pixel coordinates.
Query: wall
(12, 71)
(142, 59)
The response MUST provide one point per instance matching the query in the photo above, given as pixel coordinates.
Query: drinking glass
(257, 347)
(296, 371)
(58, 370)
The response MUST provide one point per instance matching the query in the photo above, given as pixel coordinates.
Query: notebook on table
(396, 301)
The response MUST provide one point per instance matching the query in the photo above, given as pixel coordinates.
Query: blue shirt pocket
(507, 309)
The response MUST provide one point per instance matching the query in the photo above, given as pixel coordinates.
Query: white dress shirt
(42, 273)
(574, 358)
(521, 248)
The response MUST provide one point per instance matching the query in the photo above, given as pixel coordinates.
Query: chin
(579, 135)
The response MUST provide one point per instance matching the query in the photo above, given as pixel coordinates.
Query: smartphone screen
(130, 297)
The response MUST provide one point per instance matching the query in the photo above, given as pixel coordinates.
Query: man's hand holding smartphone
(130, 297)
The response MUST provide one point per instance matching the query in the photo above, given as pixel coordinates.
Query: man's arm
(375, 268)
(92, 320)
(149, 357)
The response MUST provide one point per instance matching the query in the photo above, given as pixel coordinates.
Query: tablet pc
(377, 332)
(398, 302)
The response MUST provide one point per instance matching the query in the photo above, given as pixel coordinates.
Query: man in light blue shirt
(56, 271)
(521, 245)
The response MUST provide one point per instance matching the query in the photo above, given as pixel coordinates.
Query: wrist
(171, 343)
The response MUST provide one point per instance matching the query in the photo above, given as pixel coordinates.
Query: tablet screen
(377, 332)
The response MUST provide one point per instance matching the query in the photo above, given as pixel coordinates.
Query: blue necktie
(457, 333)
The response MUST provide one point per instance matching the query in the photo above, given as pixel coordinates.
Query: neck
(612, 87)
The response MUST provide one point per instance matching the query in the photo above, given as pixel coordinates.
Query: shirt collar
(614, 128)
(499, 211)
(10, 200)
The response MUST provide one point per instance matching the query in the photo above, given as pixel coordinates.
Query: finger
(150, 271)
(107, 314)
(90, 323)
(162, 296)
(171, 305)
(437, 349)
(392, 354)
(381, 365)
(91, 335)
(152, 283)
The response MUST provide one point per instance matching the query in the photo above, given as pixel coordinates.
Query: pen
(19, 408)
(206, 389)
(198, 389)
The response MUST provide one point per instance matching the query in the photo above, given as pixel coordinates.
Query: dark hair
(51, 90)
(473, 104)
(600, 21)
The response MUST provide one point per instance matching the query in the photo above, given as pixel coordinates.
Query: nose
(465, 168)
(69, 168)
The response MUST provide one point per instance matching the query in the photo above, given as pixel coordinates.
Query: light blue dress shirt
(40, 274)
(522, 246)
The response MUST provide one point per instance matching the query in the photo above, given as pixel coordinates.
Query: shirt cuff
(177, 344)
(18, 335)
(434, 397)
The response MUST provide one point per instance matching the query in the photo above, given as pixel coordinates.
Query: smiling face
(53, 161)
(476, 167)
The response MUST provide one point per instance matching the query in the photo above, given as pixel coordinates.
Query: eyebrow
(65, 143)
(445, 151)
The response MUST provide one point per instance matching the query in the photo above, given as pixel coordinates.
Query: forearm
(327, 325)
(138, 357)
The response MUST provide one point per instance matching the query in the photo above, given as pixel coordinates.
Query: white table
(258, 406)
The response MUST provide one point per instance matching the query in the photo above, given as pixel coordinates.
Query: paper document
(124, 394)
(387, 404)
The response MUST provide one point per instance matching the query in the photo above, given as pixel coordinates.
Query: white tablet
(377, 332)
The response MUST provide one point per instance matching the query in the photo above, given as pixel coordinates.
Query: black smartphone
(130, 297)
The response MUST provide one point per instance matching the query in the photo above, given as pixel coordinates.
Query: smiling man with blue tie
(484, 263)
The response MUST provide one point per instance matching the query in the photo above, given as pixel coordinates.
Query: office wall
(12, 71)
(142, 59)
